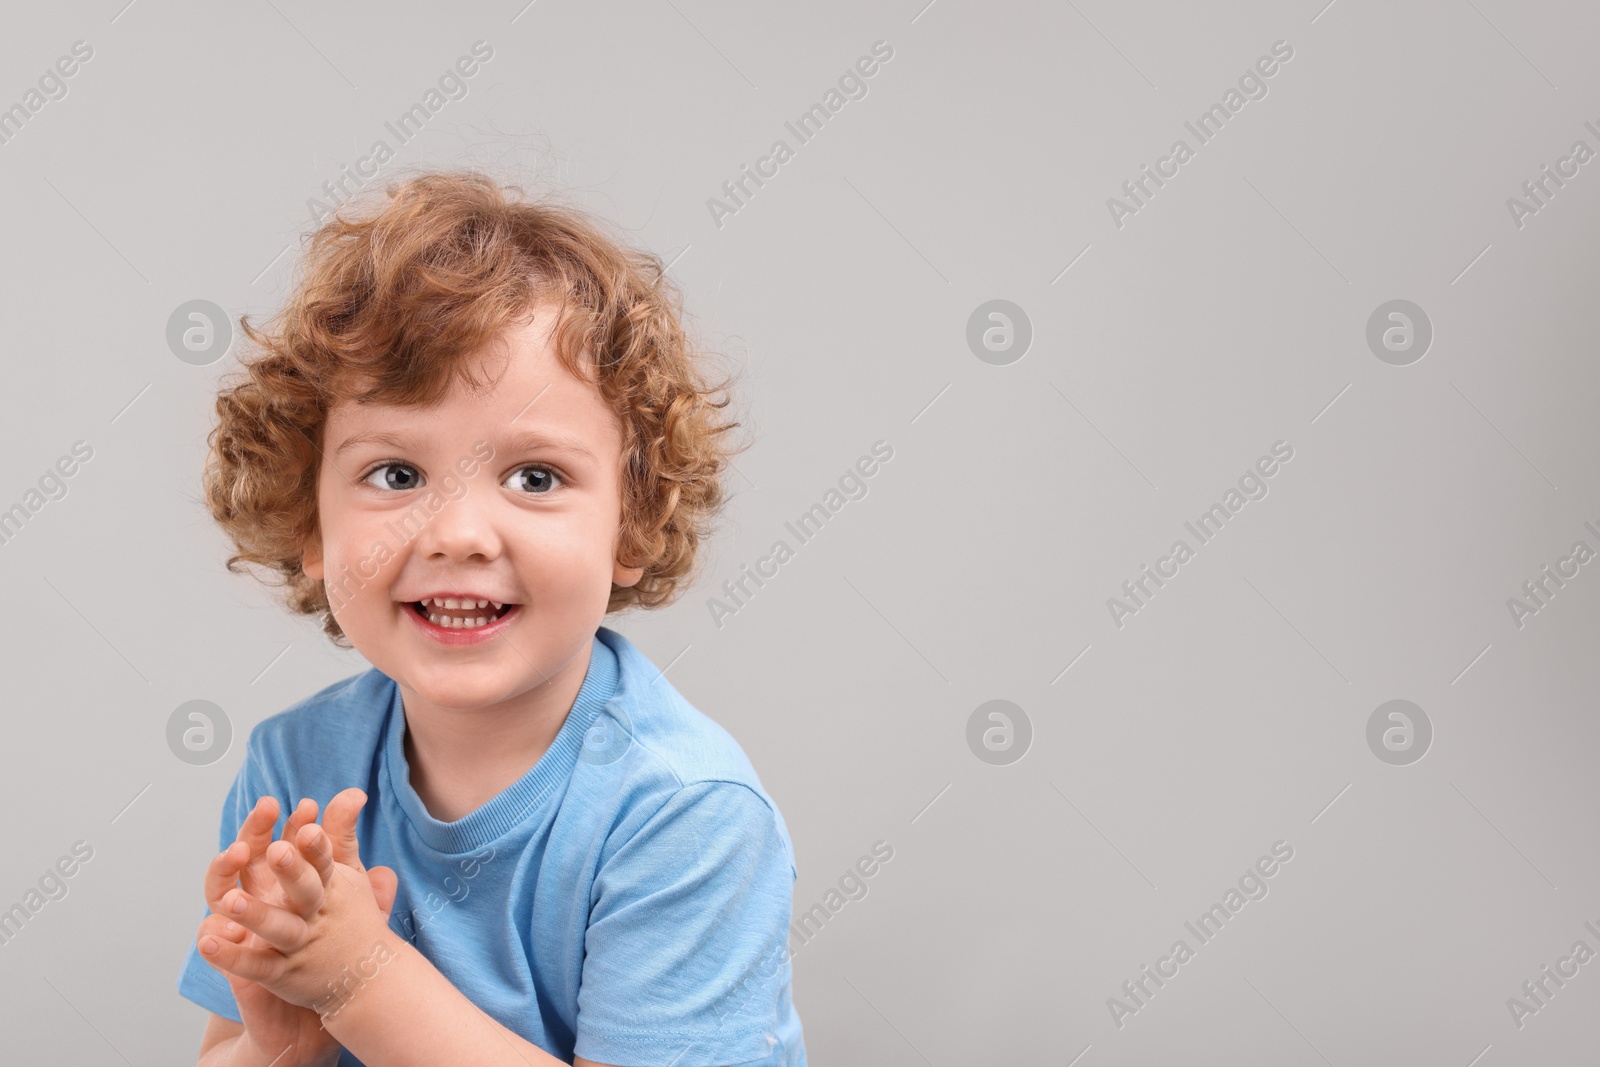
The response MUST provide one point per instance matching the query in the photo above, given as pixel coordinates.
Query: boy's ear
(311, 560)
(621, 576)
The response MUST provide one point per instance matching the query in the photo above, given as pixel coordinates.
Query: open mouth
(460, 614)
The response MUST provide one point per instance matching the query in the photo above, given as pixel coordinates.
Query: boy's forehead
(515, 393)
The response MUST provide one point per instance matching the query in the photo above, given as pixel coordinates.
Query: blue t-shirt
(627, 900)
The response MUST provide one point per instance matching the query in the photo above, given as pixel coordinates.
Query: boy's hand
(332, 915)
(274, 1026)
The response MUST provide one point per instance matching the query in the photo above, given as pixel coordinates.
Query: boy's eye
(396, 476)
(542, 480)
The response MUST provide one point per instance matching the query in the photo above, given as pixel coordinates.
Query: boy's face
(512, 495)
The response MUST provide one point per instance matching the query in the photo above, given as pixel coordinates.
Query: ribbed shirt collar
(519, 800)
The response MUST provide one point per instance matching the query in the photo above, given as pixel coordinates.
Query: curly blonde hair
(389, 307)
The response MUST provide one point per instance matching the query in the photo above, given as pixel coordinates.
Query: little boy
(476, 430)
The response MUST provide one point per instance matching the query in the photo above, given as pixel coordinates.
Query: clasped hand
(328, 924)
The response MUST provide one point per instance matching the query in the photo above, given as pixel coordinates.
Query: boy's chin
(455, 689)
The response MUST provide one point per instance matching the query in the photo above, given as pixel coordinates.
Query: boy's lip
(452, 636)
(457, 595)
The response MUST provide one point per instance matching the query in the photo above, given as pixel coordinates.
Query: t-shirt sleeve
(199, 981)
(686, 957)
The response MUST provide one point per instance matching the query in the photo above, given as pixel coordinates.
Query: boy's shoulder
(680, 744)
(342, 720)
(673, 749)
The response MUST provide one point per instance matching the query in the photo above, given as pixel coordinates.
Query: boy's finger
(229, 931)
(278, 927)
(256, 833)
(262, 881)
(385, 883)
(302, 881)
(253, 964)
(304, 812)
(317, 851)
(257, 826)
(222, 873)
(339, 820)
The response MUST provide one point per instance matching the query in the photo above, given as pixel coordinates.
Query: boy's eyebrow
(532, 440)
(521, 441)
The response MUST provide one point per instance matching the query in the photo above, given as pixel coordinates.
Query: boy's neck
(460, 759)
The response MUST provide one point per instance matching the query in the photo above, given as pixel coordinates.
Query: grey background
(1228, 314)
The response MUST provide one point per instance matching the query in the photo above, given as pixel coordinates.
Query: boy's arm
(419, 1019)
(412, 1016)
(225, 1044)
(220, 1040)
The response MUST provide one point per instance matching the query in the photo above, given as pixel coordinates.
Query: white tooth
(480, 621)
(483, 603)
(435, 620)
(497, 607)
(452, 602)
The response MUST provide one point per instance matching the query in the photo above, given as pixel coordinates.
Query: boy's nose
(462, 528)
